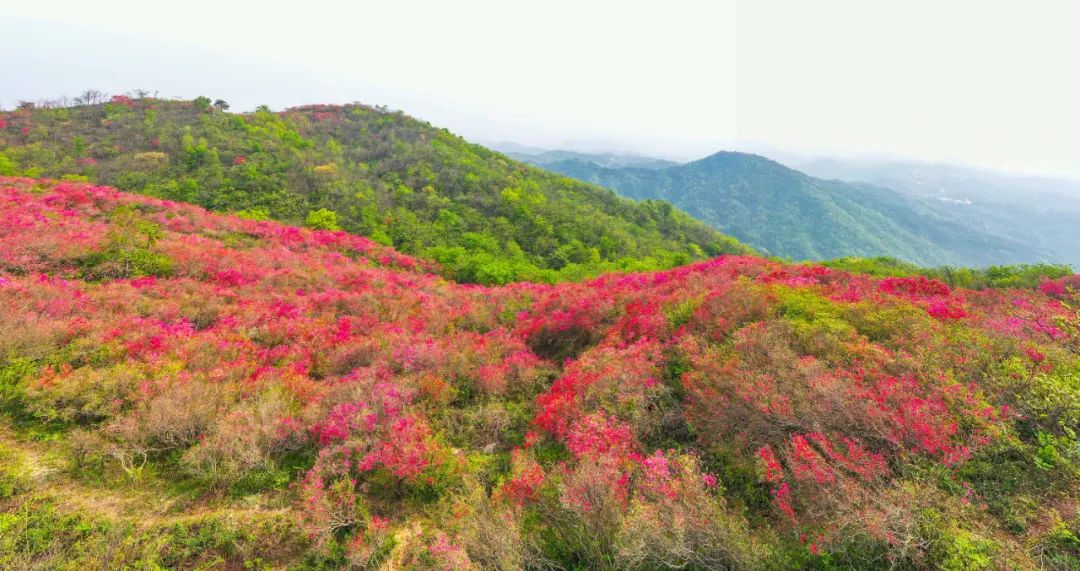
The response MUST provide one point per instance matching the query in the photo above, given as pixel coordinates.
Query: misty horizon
(677, 83)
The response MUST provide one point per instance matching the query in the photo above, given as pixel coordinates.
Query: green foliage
(384, 175)
(93, 394)
(381, 237)
(12, 374)
(254, 214)
(1060, 547)
(1049, 401)
(786, 213)
(879, 266)
(1000, 276)
(39, 533)
(681, 313)
(201, 103)
(7, 167)
(954, 548)
(322, 219)
(13, 480)
(1016, 276)
(130, 249)
(813, 317)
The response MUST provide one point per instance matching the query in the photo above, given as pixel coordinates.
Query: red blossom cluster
(526, 480)
(124, 100)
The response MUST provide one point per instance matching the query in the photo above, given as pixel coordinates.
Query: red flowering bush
(527, 477)
(623, 381)
(678, 521)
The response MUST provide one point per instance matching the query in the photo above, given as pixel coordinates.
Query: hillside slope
(380, 174)
(787, 213)
(180, 389)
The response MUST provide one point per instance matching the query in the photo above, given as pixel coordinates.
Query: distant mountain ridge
(543, 157)
(1042, 211)
(791, 214)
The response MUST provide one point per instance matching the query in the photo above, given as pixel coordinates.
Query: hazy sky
(982, 82)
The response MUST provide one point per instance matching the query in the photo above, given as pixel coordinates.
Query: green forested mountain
(787, 213)
(363, 169)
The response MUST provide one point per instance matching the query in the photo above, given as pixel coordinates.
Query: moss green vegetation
(1004, 276)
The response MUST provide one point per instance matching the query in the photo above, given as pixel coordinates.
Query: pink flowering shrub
(633, 420)
(526, 479)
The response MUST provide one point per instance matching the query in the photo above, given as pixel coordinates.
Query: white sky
(983, 82)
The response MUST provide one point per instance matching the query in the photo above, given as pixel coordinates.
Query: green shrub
(13, 479)
(322, 219)
(1059, 548)
(130, 250)
(253, 214)
(953, 548)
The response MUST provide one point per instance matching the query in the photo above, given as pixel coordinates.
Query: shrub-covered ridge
(315, 392)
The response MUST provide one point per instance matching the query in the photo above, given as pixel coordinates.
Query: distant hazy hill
(788, 213)
(1041, 211)
(544, 157)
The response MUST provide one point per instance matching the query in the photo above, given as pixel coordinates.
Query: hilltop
(372, 172)
(184, 389)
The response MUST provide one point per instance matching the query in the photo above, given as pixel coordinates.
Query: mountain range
(1043, 212)
(542, 157)
(787, 213)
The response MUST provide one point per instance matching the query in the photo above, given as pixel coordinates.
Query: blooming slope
(734, 413)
